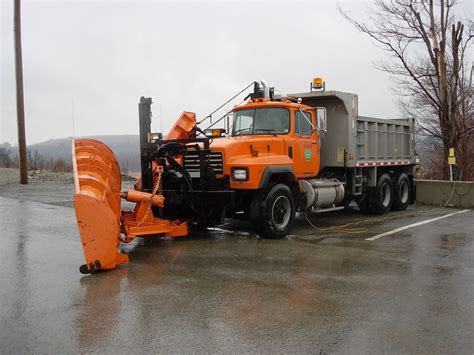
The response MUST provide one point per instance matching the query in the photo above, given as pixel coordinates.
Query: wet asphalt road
(314, 292)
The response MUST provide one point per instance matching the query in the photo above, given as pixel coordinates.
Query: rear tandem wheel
(401, 196)
(382, 198)
(378, 200)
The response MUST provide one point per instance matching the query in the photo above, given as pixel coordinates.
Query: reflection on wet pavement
(222, 291)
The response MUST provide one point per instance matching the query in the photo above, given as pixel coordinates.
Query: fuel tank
(321, 193)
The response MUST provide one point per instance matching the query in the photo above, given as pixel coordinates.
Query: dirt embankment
(45, 186)
(12, 176)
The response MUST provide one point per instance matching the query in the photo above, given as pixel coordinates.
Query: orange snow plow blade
(97, 183)
(100, 220)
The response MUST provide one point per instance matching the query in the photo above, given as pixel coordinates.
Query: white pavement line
(413, 225)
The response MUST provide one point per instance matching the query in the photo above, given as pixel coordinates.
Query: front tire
(274, 212)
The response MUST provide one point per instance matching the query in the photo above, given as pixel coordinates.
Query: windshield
(261, 121)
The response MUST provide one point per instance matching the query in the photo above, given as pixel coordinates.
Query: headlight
(240, 174)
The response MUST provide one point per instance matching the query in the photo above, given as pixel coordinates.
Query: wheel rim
(281, 212)
(404, 192)
(386, 195)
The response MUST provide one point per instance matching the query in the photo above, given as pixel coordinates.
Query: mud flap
(97, 183)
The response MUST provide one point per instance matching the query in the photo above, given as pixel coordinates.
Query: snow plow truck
(275, 156)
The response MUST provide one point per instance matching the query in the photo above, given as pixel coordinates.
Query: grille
(191, 161)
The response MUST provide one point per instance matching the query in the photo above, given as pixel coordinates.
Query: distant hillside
(125, 147)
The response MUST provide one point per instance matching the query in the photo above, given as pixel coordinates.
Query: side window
(302, 123)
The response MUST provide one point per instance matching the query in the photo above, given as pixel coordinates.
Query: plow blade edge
(97, 183)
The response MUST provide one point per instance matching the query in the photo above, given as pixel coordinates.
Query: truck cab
(269, 136)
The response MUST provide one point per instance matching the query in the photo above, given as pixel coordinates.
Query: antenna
(161, 118)
(73, 123)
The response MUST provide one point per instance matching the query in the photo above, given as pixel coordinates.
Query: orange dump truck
(279, 156)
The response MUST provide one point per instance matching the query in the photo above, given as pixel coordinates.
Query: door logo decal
(307, 154)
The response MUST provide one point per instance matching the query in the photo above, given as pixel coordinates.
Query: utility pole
(20, 105)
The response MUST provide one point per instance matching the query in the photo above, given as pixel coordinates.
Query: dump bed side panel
(384, 140)
(352, 140)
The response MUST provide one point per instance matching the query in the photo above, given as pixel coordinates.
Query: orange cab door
(303, 144)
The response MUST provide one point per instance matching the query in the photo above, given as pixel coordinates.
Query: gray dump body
(356, 141)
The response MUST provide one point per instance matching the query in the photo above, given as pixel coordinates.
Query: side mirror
(321, 120)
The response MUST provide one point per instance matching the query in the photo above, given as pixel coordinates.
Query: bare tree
(428, 46)
(124, 166)
(60, 165)
(35, 160)
(5, 159)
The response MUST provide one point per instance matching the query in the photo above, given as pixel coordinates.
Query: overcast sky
(100, 57)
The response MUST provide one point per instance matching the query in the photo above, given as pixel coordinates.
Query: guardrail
(442, 193)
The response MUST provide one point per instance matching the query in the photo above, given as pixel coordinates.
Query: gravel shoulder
(12, 176)
(45, 186)
(9, 176)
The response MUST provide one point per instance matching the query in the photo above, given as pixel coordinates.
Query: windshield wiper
(271, 131)
(238, 131)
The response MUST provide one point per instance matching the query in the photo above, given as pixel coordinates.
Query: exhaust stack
(266, 89)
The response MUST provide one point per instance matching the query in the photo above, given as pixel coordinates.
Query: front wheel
(274, 212)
